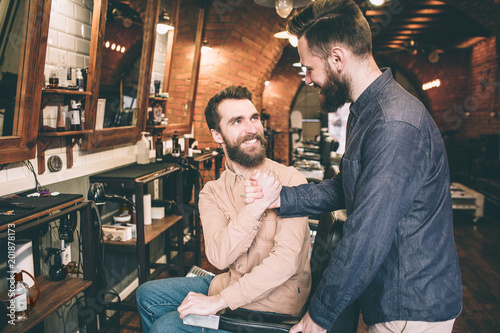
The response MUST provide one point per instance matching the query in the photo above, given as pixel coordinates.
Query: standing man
(266, 255)
(397, 256)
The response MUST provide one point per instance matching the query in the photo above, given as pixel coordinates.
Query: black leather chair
(328, 235)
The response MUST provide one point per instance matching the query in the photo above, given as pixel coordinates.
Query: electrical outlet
(156, 190)
(66, 255)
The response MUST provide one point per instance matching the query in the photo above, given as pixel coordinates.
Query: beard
(251, 159)
(336, 91)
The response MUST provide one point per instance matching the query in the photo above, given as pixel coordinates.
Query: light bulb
(284, 7)
(293, 40)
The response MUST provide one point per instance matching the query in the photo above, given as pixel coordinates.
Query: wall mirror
(119, 70)
(181, 62)
(23, 41)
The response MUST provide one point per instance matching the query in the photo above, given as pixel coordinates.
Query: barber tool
(18, 205)
(57, 271)
(9, 212)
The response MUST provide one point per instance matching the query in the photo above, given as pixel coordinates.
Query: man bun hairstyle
(326, 23)
(211, 111)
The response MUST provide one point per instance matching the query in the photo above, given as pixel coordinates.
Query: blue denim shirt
(398, 254)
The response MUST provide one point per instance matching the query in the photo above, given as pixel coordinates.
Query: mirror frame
(185, 128)
(110, 137)
(22, 144)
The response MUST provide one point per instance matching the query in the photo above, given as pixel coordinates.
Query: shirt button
(242, 195)
(228, 218)
(240, 267)
(256, 228)
(240, 177)
(265, 214)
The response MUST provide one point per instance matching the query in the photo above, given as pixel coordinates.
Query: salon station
(104, 146)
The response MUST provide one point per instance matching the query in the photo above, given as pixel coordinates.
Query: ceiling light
(285, 35)
(205, 48)
(164, 24)
(377, 2)
(283, 7)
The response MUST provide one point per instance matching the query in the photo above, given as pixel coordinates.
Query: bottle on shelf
(75, 116)
(143, 149)
(175, 145)
(159, 149)
(53, 79)
(21, 304)
(79, 79)
(62, 71)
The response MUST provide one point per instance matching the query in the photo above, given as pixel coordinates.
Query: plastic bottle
(159, 149)
(143, 149)
(21, 305)
(79, 79)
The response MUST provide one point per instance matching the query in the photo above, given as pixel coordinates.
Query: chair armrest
(211, 321)
(241, 320)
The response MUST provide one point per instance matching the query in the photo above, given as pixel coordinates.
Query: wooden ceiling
(420, 26)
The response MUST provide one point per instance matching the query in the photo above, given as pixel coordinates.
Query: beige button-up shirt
(267, 258)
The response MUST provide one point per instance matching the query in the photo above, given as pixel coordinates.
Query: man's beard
(250, 159)
(336, 91)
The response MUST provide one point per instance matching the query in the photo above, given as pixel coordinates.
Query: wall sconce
(114, 47)
(285, 35)
(431, 84)
(164, 24)
(205, 48)
(283, 7)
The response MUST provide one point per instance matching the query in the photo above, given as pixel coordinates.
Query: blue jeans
(158, 300)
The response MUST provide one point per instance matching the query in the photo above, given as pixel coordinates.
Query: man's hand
(263, 183)
(307, 325)
(264, 186)
(200, 304)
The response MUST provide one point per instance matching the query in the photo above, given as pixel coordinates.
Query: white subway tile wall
(69, 43)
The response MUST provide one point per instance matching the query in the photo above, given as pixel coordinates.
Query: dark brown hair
(211, 111)
(326, 23)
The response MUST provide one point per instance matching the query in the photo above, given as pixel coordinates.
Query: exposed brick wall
(484, 88)
(244, 52)
(468, 92)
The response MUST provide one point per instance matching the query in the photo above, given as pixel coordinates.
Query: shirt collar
(371, 92)
(246, 175)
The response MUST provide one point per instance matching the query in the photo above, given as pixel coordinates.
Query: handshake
(262, 191)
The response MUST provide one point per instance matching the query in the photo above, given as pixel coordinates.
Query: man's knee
(144, 291)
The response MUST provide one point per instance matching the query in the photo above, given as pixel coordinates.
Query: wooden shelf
(63, 134)
(52, 296)
(158, 98)
(65, 92)
(45, 138)
(151, 231)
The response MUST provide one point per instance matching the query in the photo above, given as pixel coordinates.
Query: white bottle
(143, 149)
(79, 79)
(20, 298)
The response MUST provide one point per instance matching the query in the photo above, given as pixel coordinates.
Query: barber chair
(328, 235)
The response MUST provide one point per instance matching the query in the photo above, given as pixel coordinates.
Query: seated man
(266, 256)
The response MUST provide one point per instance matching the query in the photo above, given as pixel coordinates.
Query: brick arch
(244, 52)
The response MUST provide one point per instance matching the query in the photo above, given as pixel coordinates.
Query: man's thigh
(172, 290)
(400, 326)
